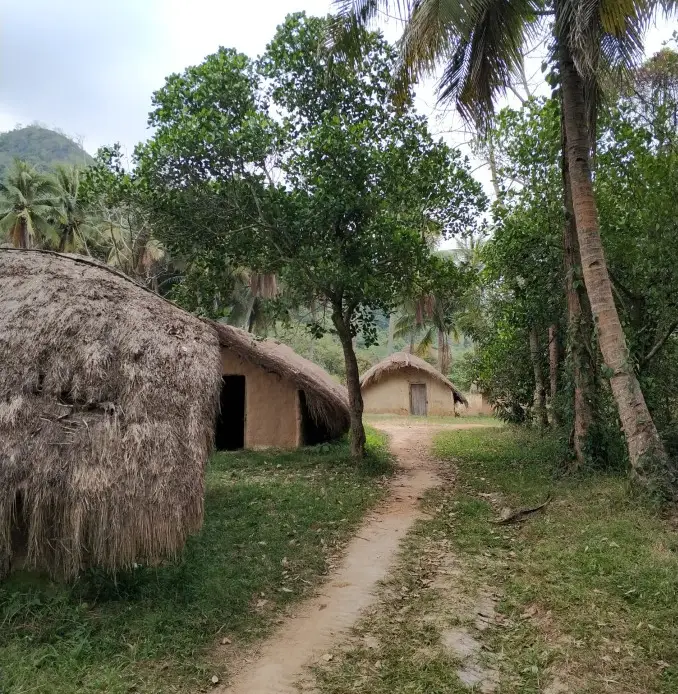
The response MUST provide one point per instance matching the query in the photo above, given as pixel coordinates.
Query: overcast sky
(89, 67)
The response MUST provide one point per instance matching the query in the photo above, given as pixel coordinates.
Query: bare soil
(278, 666)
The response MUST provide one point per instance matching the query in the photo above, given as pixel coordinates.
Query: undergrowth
(584, 592)
(272, 520)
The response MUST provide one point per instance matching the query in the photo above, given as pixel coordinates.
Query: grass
(272, 521)
(586, 592)
(462, 420)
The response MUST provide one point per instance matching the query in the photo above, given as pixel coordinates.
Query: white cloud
(91, 65)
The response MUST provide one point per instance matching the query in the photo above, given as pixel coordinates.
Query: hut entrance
(230, 430)
(418, 399)
(312, 433)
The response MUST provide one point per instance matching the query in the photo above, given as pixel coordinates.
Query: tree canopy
(300, 164)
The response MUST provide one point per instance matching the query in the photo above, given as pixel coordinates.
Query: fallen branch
(520, 514)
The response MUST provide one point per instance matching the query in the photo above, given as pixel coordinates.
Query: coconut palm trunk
(646, 452)
(443, 353)
(579, 322)
(20, 234)
(539, 403)
(553, 371)
(391, 333)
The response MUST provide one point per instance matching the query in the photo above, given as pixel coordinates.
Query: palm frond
(44, 232)
(7, 222)
(480, 41)
(426, 342)
(488, 54)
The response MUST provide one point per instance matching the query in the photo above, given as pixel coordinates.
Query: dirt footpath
(278, 666)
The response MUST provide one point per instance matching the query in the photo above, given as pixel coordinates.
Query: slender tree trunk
(139, 250)
(579, 322)
(553, 371)
(20, 234)
(355, 397)
(441, 352)
(540, 414)
(314, 319)
(646, 452)
(391, 332)
(493, 167)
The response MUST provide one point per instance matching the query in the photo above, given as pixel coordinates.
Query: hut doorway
(418, 399)
(312, 433)
(230, 429)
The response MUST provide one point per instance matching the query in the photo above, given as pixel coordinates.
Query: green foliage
(637, 187)
(116, 201)
(27, 206)
(336, 195)
(591, 577)
(40, 147)
(271, 518)
(522, 262)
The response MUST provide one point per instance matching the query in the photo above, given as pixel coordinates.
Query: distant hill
(41, 147)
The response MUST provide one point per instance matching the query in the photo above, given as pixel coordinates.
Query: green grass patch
(586, 591)
(272, 519)
(462, 420)
(590, 585)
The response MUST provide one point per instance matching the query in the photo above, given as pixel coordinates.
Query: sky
(89, 67)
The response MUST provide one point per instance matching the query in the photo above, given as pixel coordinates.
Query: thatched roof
(404, 360)
(327, 400)
(108, 395)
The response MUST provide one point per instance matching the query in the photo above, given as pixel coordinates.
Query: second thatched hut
(405, 384)
(272, 396)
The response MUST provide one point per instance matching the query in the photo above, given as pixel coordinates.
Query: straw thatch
(108, 395)
(403, 360)
(326, 399)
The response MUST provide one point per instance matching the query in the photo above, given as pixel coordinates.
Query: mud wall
(272, 415)
(391, 395)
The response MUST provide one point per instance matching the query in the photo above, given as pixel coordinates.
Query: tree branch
(660, 344)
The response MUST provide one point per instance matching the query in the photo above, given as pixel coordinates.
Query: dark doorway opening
(230, 429)
(312, 432)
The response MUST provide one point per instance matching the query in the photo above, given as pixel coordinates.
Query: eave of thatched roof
(327, 400)
(108, 395)
(404, 360)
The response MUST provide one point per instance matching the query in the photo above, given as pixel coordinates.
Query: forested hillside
(41, 147)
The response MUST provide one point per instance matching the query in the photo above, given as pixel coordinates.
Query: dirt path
(278, 665)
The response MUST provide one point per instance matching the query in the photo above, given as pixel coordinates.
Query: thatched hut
(272, 396)
(405, 384)
(108, 396)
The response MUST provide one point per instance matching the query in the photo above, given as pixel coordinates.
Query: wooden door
(418, 399)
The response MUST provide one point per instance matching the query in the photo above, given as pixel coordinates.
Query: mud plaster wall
(272, 416)
(477, 404)
(391, 395)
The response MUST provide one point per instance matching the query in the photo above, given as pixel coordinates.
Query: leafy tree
(438, 314)
(116, 199)
(336, 195)
(637, 189)
(27, 201)
(481, 43)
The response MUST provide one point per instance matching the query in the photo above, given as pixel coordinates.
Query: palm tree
(138, 255)
(26, 207)
(438, 320)
(70, 219)
(481, 43)
(247, 300)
